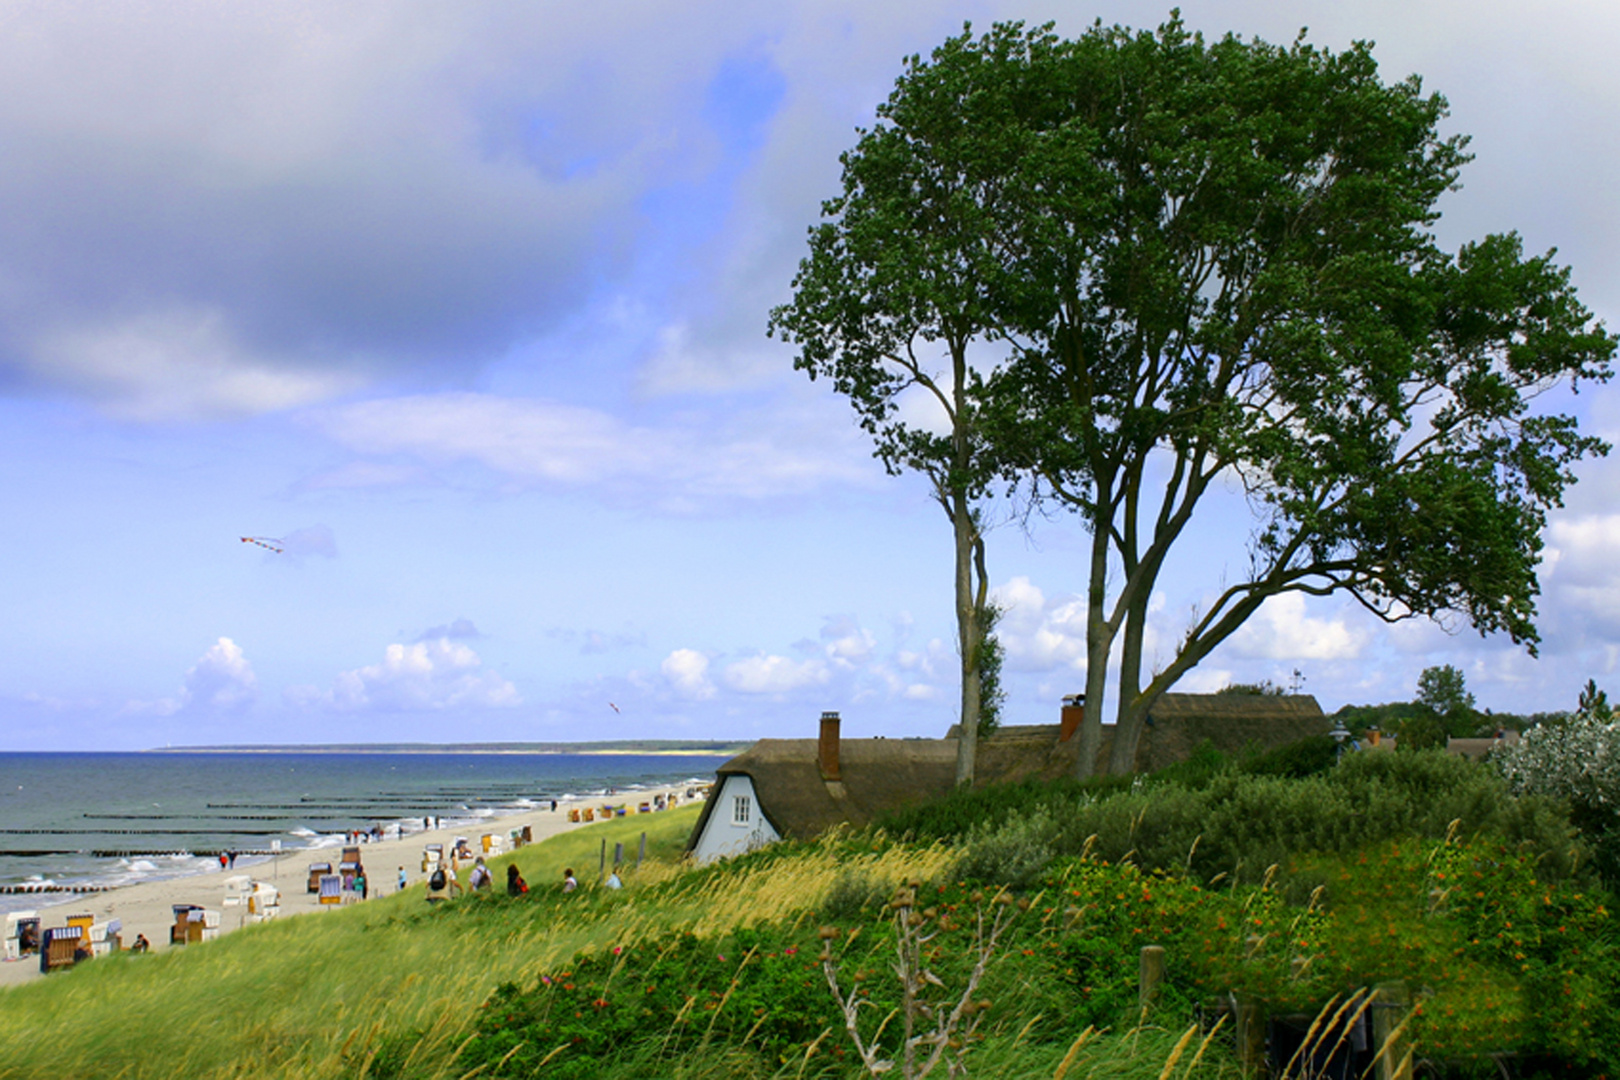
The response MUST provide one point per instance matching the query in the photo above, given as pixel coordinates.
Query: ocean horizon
(102, 819)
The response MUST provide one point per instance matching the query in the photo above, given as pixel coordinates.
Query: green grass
(312, 995)
(319, 995)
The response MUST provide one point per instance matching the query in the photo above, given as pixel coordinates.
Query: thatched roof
(880, 775)
(1178, 723)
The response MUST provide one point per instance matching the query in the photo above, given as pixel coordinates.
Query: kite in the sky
(265, 542)
(612, 706)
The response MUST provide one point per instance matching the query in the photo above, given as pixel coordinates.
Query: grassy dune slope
(315, 996)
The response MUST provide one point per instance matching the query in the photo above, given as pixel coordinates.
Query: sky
(464, 306)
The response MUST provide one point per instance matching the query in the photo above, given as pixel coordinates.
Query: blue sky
(467, 305)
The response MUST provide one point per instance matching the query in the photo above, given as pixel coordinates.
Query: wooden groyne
(29, 889)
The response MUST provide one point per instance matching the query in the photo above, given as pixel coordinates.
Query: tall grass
(323, 994)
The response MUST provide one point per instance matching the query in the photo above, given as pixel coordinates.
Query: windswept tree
(1229, 270)
(1211, 260)
(896, 299)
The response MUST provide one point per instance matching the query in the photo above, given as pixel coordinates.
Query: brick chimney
(1074, 711)
(827, 754)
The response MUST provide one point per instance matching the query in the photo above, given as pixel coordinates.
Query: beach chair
(318, 870)
(61, 947)
(263, 902)
(22, 934)
(187, 926)
(590, 815)
(236, 890)
(573, 814)
(432, 856)
(104, 937)
(331, 889)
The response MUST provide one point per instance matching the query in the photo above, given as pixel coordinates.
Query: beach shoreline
(147, 907)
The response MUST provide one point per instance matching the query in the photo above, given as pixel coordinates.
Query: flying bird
(615, 708)
(269, 542)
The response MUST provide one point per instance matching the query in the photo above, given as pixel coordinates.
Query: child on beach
(403, 880)
(569, 884)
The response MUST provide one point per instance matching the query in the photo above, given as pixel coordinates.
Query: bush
(1241, 822)
(675, 993)
(1013, 854)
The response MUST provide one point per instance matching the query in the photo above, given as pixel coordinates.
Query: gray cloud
(456, 630)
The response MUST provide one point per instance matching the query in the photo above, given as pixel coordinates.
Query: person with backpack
(438, 885)
(481, 878)
(515, 885)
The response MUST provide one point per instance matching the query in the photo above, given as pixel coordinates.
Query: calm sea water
(112, 819)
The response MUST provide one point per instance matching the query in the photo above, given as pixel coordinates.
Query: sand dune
(148, 907)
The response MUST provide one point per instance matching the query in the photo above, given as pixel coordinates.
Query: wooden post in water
(1389, 1011)
(1150, 976)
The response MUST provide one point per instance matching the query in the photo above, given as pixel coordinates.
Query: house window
(739, 810)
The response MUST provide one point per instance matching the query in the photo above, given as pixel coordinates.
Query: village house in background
(799, 788)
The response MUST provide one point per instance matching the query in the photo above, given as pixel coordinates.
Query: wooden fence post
(1389, 1011)
(1250, 1022)
(1150, 976)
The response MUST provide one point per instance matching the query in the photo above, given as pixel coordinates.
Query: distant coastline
(650, 747)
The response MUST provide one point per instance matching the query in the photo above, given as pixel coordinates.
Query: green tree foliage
(1214, 257)
(1442, 690)
(891, 301)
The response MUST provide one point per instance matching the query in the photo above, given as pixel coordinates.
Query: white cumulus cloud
(774, 674)
(221, 682)
(422, 676)
(1038, 634)
(1281, 630)
(687, 671)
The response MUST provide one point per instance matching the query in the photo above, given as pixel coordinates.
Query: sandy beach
(147, 907)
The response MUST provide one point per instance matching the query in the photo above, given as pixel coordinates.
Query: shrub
(1013, 854)
(1240, 822)
(678, 992)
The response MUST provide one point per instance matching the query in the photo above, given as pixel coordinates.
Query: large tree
(1229, 270)
(1214, 262)
(892, 301)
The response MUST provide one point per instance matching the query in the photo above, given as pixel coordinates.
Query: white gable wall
(736, 824)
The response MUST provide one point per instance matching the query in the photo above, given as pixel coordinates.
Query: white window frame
(741, 809)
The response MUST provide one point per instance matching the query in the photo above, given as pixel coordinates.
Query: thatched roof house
(801, 787)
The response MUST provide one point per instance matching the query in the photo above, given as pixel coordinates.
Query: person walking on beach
(569, 884)
(403, 880)
(360, 883)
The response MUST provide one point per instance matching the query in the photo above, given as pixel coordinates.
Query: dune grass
(320, 995)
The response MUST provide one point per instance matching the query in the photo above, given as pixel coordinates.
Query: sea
(75, 823)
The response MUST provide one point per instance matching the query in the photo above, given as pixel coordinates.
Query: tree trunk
(1131, 717)
(969, 632)
(1099, 643)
